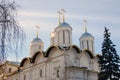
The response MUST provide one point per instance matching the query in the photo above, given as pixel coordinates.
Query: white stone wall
(87, 43)
(76, 73)
(59, 65)
(62, 36)
(35, 47)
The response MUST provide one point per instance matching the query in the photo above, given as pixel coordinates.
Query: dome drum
(36, 45)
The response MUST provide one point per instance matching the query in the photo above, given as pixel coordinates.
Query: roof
(25, 59)
(86, 34)
(12, 63)
(36, 40)
(58, 48)
(36, 54)
(64, 24)
(89, 53)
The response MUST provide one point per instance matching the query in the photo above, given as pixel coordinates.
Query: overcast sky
(43, 13)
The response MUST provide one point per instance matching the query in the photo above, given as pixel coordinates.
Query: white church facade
(61, 61)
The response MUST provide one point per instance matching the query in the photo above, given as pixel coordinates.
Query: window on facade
(39, 47)
(53, 40)
(24, 77)
(63, 36)
(69, 36)
(58, 37)
(58, 74)
(9, 70)
(41, 73)
(82, 44)
(87, 44)
(92, 45)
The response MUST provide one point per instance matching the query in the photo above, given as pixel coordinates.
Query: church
(61, 61)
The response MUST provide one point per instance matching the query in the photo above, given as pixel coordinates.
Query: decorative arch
(98, 56)
(89, 53)
(25, 59)
(35, 55)
(76, 48)
(50, 49)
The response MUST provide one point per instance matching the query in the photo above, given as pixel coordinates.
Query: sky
(43, 13)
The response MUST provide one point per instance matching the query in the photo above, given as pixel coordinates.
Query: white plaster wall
(85, 60)
(58, 36)
(39, 59)
(35, 47)
(75, 73)
(13, 68)
(96, 65)
(59, 60)
(71, 57)
(26, 64)
(91, 43)
(55, 62)
(92, 76)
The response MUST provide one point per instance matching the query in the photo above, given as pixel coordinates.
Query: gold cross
(59, 12)
(37, 30)
(63, 13)
(85, 22)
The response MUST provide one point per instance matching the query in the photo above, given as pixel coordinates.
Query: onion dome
(36, 40)
(36, 45)
(86, 34)
(64, 24)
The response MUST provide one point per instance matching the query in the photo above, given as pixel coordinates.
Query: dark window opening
(87, 44)
(9, 70)
(41, 73)
(58, 74)
(82, 44)
(24, 77)
(69, 36)
(63, 36)
(39, 47)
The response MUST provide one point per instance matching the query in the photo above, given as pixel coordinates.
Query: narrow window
(39, 47)
(63, 36)
(58, 38)
(92, 45)
(53, 41)
(82, 44)
(24, 77)
(69, 36)
(58, 74)
(41, 73)
(9, 70)
(87, 44)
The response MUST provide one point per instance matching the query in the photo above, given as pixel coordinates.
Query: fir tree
(109, 60)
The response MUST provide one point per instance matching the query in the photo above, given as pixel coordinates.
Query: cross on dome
(63, 14)
(60, 13)
(37, 31)
(85, 22)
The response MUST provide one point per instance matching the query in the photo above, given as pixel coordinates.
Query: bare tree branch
(11, 34)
